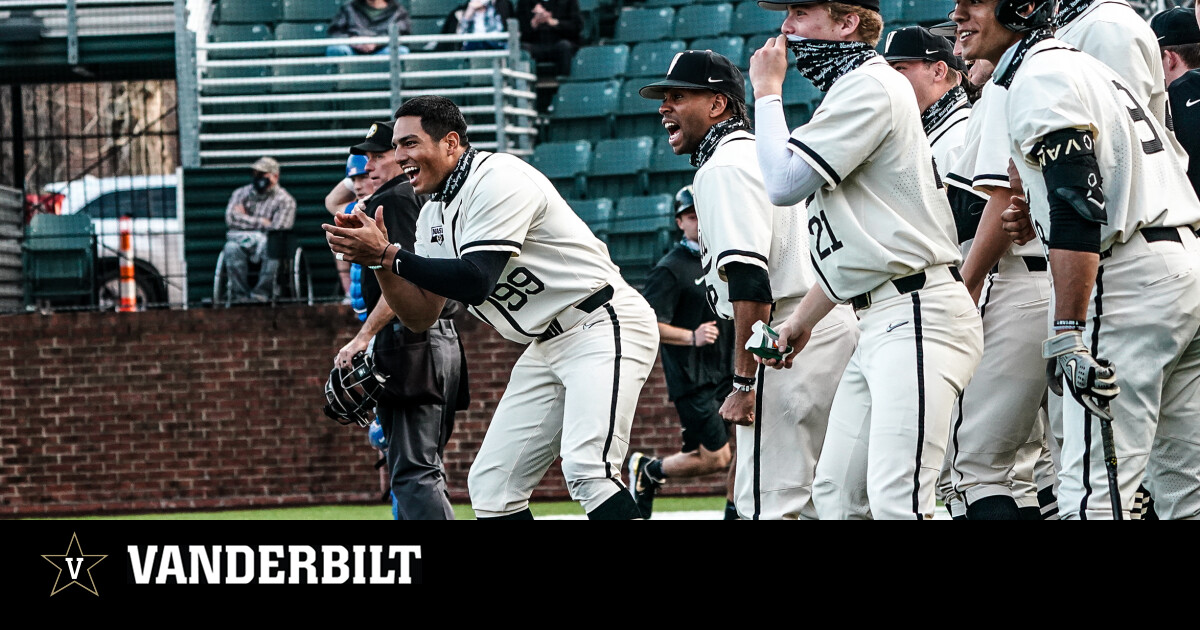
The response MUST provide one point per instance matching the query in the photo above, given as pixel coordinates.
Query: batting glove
(1092, 381)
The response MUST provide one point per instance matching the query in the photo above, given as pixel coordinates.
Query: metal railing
(74, 19)
(308, 109)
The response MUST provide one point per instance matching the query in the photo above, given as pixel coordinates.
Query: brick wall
(220, 409)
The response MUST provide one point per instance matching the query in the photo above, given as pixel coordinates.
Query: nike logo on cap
(1190, 103)
(712, 80)
(930, 52)
(699, 280)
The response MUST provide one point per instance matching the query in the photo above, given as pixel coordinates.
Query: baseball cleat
(641, 484)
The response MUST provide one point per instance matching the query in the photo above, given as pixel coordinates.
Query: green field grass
(384, 512)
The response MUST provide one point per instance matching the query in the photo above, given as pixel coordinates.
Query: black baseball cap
(1176, 27)
(379, 140)
(700, 70)
(914, 43)
(783, 6)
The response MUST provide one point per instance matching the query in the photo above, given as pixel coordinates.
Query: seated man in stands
(367, 18)
(479, 17)
(255, 209)
(550, 31)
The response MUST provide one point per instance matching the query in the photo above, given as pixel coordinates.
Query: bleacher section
(593, 140)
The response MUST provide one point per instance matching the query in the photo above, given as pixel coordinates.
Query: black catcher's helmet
(351, 393)
(1023, 16)
(684, 200)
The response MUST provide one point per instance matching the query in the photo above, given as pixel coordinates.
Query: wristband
(1069, 324)
(693, 338)
(745, 380)
(381, 257)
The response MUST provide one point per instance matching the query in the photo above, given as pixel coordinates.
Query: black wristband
(744, 380)
(1069, 324)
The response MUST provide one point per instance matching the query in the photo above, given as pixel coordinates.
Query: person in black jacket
(417, 430)
(478, 17)
(697, 358)
(367, 18)
(1179, 37)
(550, 31)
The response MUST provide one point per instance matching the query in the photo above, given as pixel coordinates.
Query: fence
(10, 251)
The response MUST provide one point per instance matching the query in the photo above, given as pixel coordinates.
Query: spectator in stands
(550, 31)
(355, 188)
(367, 18)
(254, 209)
(479, 17)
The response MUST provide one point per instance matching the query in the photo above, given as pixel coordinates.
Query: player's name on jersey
(272, 564)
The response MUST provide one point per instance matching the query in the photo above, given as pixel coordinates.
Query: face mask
(261, 183)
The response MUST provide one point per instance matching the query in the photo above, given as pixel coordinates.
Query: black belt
(1153, 235)
(593, 302)
(907, 284)
(1032, 263)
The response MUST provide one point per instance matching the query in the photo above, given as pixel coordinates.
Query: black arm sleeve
(470, 279)
(748, 282)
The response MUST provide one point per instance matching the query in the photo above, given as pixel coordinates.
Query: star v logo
(75, 564)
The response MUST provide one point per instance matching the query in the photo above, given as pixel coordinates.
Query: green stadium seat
(238, 73)
(733, 48)
(565, 164)
(418, 64)
(596, 213)
(643, 25)
(641, 234)
(619, 167)
(703, 20)
(922, 11)
(751, 19)
(428, 25)
(225, 33)
(249, 11)
(651, 59)
(666, 3)
(317, 85)
(310, 10)
(431, 8)
(593, 63)
(300, 30)
(800, 91)
(637, 116)
(584, 110)
(669, 172)
(58, 257)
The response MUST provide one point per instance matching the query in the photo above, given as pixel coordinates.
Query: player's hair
(439, 116)
(738, 108)
(870, 23)
(1189, 53)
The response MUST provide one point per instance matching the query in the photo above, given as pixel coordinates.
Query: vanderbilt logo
(437, 235)
(74, 567)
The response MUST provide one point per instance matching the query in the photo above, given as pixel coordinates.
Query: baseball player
(882, 239)
(1179, 37)
(496, 236)
(697, 358)
(756, 268)
(1117, 217)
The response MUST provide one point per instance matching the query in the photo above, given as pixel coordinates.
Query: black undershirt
(470, 279)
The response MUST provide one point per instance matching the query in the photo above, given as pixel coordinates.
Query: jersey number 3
(818, 227)
(514, 292)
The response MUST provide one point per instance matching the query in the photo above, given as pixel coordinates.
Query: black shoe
(641, 484)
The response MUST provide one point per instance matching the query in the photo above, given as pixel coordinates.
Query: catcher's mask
(351, 393)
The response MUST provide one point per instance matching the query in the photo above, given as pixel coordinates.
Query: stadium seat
(750, 19)
(733, 48)
(584, 110)
(310, 10)
(238, 73)
(922, 11)
(253, 12)
(240, 33)
(651, 59)
(669, 172)
(800, 99)
(640, 234)
(644, 25)
(427, 25)
(619, 167)
(703, 20)
(430, 8)
(637, 116)
(596, 213)
(565, 164)
(593, 63)
(321, 84)
(302, 30)
(417, 64)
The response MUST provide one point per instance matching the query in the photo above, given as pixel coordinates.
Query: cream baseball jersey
(948, 139)
(983, 162)
(1145, 183)
(1111, 31)
(883, 211)
(739, 224)
(507, 205)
